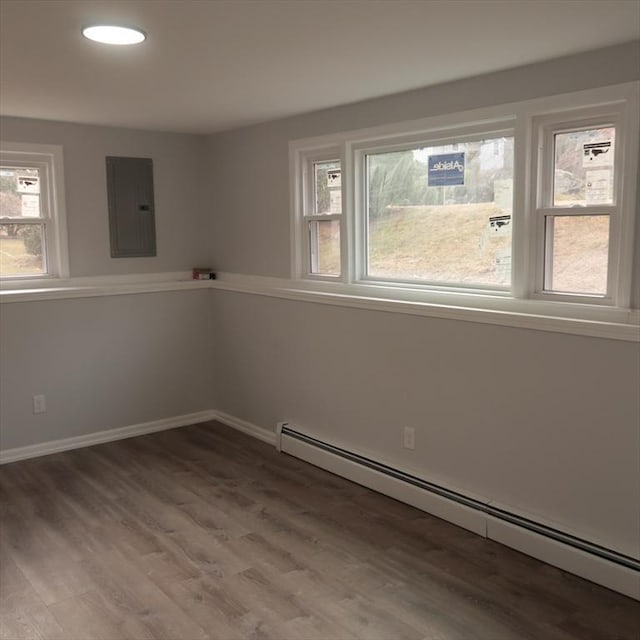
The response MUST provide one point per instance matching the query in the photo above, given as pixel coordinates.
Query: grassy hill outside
(15, 260)
(453, 244)
(450, 244)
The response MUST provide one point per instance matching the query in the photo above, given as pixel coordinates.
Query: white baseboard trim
(77, 442)
(246, 427)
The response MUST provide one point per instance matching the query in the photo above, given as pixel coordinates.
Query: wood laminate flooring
(203, 533)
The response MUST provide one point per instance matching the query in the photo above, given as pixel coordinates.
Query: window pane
(19, 192)
(579, 247)
(442, 214)
(583, 171)
(324, 243)
(21, 249)
(327, 187)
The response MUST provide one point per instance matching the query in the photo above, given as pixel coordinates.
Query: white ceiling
(210, 65)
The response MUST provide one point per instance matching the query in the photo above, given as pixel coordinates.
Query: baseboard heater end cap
(279, 427)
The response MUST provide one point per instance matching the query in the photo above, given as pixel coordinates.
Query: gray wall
(114, 361)
(102, 363)
(545, 422)
(177, 164)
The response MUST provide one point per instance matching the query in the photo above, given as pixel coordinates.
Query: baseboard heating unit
(569, 552)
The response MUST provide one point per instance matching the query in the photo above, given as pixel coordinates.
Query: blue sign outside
(446, 169)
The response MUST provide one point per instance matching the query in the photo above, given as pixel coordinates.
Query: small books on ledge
(201, 273)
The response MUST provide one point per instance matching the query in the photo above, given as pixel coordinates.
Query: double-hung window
(579, 206)
(514, 208)
(321, 202)
(32, 217)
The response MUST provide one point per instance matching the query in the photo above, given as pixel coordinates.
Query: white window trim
(523, 118)
(617, 324)
(305, 197)
(50, 157)
(620, 212)
(359, 151)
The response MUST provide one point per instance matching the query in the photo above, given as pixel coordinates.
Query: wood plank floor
(205, 533)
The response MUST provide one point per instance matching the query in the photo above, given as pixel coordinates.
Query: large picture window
(441, 213)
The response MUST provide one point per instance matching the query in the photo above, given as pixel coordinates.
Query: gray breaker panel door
(132, 226)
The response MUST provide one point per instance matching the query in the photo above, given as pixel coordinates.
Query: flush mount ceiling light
(111, 34)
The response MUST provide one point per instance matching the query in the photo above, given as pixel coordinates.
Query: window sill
(558, 317)
(62, 289)
(497, 309)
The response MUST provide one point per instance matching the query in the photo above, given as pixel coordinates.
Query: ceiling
(210, 65)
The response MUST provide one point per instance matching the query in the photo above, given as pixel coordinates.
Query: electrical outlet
(409, 438)
(39, 404)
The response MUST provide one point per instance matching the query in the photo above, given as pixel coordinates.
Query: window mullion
(359, 241)
(625, 231)
(346, 228)
(523, 227)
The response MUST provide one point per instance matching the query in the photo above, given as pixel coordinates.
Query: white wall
(178, 190)
(546, 423)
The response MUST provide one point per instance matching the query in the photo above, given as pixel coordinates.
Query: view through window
(577, 243)
(442, 214)
(21, 224)
(324, 224)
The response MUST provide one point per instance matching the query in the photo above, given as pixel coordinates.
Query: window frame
(360, 153)
(542, 202)
(523, 119)
(305, 198)
(49, 161)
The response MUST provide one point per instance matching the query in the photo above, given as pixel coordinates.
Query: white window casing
(619, 212)
(305, 199)
(361, 151)
(532, 124)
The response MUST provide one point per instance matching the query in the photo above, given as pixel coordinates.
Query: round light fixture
(111, 34)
